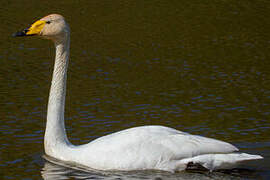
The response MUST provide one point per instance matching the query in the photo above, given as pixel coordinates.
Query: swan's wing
(187, 145)
(148, 147)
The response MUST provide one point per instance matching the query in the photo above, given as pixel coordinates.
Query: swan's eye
(48, 22)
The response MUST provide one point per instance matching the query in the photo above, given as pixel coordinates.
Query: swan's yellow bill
(36, 27)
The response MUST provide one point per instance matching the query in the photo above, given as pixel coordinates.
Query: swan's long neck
(55, 133)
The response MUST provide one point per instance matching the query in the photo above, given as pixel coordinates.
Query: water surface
(200, 67)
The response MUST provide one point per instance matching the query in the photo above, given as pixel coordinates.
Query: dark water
(198, 66)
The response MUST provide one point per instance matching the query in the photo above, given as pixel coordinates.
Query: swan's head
(52, 27)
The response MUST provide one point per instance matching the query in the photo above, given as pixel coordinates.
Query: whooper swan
(139, 148)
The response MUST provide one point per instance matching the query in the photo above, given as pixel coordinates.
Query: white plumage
(154, 147)
(139, 148)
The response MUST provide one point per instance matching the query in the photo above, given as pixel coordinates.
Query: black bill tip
(20, 33)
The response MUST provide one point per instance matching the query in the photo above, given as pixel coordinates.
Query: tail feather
(220, 161)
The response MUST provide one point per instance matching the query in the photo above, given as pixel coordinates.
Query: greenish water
(198, 66)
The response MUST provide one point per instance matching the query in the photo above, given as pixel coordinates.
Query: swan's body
(146, 147)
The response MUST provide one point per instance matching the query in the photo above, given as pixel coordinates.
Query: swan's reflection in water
(54, 169)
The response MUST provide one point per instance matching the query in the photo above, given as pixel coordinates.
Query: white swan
(139, 148)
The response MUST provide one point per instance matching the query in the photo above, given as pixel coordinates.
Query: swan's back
(167, 137)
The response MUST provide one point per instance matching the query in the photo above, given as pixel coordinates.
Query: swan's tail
(220, 161)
